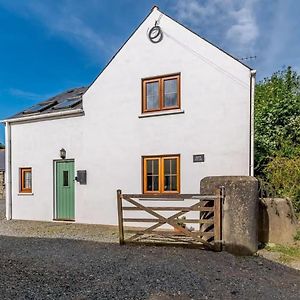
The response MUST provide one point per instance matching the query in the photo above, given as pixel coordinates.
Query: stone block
(240, 211)
(277, 221)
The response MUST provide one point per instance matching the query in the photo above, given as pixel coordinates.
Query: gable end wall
(110, 139)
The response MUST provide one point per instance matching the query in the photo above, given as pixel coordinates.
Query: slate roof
(2, 160)
(72, 99)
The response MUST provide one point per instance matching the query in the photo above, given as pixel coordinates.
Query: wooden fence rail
(209, 219)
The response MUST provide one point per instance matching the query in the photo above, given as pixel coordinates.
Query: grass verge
(287, 253)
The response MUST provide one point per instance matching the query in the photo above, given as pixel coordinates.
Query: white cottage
(169, 109)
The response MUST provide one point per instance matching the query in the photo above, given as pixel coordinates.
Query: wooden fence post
(120, 217)
(218, 219)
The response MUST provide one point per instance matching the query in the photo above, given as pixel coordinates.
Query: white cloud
(25, 95)
(244, 30)
(194, 12)
(69, 25)
(232, 19)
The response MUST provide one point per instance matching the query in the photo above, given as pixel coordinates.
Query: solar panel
(68, 103)
(39, 107)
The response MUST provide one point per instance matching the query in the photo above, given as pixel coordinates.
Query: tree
(277, 118)
(2, 146)
(277, 133)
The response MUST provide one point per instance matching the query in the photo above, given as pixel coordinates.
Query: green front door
(65, 206)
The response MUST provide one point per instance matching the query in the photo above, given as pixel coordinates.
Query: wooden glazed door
(65, 204)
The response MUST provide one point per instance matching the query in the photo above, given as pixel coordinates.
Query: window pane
(170, 100)
(170, 86)
(155, 166)
(27, 180)
(170, 92)
(152, 95)
(65, 178)
(170, 166)
(152, 183)
(174, 166)
(152, 167)
(167, 166)
(170, 176)
(155, 183)
(167, 185)
(149, 183)
(173, 183)
(149, 167)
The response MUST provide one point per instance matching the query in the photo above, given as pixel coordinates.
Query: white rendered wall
(37, 145)
(110, 139)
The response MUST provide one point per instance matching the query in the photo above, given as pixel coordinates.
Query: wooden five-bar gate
(171, 224)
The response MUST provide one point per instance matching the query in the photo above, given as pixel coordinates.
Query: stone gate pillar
(240, 211)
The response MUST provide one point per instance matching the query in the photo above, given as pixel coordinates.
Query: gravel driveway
(70, 230)
(64, 268)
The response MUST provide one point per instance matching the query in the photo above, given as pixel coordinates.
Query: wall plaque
(198, 158)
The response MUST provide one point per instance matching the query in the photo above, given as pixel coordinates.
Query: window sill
(161, 113)
(25, 194)
(164, 199)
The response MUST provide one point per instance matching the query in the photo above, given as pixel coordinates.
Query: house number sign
(198, 158)
(155, 34)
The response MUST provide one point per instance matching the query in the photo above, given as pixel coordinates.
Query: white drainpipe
(8, 189)
(252, 87)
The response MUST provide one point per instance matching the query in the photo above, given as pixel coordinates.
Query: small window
(161, 93)
(65, 178)
(152, 175)
(161, 174)
(25, 180)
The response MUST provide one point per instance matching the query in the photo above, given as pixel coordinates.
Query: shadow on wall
(277, 222)
(263, 222)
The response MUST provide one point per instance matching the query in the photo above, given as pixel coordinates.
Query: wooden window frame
(145, 159)
(161, 174)
(22, 180)
(161, 90)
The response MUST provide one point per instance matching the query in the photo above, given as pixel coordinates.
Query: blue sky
(52, 45)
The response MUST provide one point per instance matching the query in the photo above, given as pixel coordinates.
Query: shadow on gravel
(38, 268)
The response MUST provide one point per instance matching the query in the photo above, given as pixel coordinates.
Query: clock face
(155, 34)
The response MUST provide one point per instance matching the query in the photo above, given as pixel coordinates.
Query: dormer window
(161, 93)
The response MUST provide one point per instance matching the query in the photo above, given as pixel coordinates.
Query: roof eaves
(45, 116)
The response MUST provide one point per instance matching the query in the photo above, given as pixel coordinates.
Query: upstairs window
(161, 93)
(161, 174)
(25, 180)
